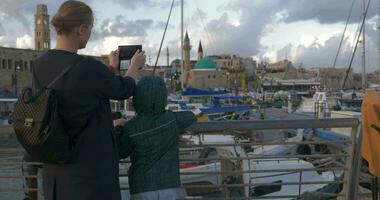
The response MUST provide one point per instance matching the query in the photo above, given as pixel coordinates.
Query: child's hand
(119, 122)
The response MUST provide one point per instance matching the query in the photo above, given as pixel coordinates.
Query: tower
(167, 57)
(42, 30)
(186, 50)
(200, 51)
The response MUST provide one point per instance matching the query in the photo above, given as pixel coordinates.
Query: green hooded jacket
(151, 138)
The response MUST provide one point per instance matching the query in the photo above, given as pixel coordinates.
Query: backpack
(38, 126)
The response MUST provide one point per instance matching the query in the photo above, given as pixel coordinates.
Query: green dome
(205, 63)
(176, 62)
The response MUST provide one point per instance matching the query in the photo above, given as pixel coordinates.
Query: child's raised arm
(184, 119)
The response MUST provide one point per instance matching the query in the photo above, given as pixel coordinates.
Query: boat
(311, 105)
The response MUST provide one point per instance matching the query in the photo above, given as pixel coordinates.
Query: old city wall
(19, 63)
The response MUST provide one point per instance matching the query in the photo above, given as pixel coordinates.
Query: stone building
(333, 78)
(15, 68)
(226, 62)
(283, 70)
(373, 78)
(206, 75)
(240, 71)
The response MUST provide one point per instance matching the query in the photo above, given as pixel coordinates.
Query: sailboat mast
(363, 53)
(182, 72)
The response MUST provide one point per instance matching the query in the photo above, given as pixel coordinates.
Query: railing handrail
(232, 127)
(221, 126)
(270, 124)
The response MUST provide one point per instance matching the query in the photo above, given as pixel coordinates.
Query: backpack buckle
(28, 122)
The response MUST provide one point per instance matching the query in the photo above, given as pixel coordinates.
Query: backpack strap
(75, 62)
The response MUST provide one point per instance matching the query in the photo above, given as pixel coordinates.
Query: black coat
(83, 97)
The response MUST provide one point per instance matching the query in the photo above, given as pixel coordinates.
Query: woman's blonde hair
(71, 14)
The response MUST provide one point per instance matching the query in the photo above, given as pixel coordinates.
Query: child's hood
(150, 96)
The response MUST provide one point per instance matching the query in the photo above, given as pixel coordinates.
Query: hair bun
(58, 21)
(71, 14)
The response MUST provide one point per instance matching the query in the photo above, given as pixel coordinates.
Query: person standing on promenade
(83, 104)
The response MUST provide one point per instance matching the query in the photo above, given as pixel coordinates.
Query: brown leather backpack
(38, 126)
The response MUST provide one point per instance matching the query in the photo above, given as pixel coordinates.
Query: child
(151, 140)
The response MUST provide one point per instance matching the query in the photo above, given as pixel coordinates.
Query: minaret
(42, 30)
(186, 52)
(200, 51)
(167, 57)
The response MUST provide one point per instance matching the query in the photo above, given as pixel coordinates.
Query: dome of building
(176, 62)
(205, 63)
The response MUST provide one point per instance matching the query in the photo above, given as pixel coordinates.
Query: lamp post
(14, 77)
(228, 81)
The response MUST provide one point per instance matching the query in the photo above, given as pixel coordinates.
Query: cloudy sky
(305, 31)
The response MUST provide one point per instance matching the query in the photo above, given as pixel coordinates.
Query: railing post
(356, 165)
(348, 188)
(299, 184)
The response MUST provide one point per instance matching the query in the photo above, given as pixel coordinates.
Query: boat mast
(182, 72)
(363, 53)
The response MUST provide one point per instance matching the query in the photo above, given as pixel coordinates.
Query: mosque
(203, 73)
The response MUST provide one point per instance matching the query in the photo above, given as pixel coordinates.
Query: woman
(83, 97)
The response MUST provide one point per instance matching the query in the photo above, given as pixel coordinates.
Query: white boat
(308, 105)
(292, 175)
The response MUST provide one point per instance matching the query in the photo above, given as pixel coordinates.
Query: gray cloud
(123, 27)
(256, 18)
(285, 52)
(20, 11)
(133, 4)
(323, 56)
(324, 11)
(245, 38)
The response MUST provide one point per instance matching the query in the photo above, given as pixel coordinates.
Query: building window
(31, 66)
(214, 76)
(9, 63)
(21, 65)
(26, 65)
(208, 76)
(38, 45)
(4, 64)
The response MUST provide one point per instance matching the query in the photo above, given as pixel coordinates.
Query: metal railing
(234, 172)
